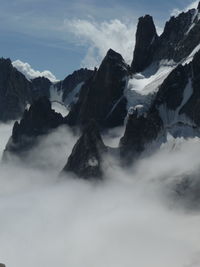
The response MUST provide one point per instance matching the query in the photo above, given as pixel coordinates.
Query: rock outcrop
(36, 121)
(73, 80)
(85, 160)
(146, 41)
(102, 96)
(40, 88)
(140, 131)
(15, 91)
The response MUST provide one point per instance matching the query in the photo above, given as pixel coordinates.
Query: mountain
(86, 158)
(157, 95)
(180, 37)
(102, 96)
(16, 91)
(38, 120)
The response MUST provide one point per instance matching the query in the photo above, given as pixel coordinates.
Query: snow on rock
(93, 162)
(55, 94)
(174, 122)
(142, 87)
(191, 56)
(60, 108)
(73, 95)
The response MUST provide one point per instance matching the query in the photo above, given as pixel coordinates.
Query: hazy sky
(62, 35)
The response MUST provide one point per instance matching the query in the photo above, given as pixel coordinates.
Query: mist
(132, 218)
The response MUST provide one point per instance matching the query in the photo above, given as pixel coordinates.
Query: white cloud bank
(30, 73)
(99, 37)
(124, 221)
(177, 11)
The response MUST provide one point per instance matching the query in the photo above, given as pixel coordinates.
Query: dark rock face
(146, 40)
(192, 107)
(102, 96)
(140, 130)
(36, 121)
(72, 80)
(85, 160)
(172, 42)
(40, 88)
(171, 91)
(15, 91)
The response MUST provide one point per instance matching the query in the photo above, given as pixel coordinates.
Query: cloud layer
(129, 219)
(30, 73)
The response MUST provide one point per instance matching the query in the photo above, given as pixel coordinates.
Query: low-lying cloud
(30, 73)
(99, 37)
(130, 219)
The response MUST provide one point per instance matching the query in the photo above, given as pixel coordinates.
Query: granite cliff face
(40, 88)
(15, 91)
(146, 42)
(85, 160)
(102, 96)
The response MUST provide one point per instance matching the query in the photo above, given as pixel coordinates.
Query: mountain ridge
(170, 104)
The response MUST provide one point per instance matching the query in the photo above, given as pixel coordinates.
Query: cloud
(30, 73)
(100, 36)
(177, 11)
(47, 221)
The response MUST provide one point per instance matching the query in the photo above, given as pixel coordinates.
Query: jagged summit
(146, 38)
(102, 97)
(85, 160)
(180, 37)
(111, 54)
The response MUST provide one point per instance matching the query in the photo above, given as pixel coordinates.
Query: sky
(60, 36)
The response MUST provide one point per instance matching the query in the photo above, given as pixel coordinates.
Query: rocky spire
(102, 96)
(85, 160)
(146, 37)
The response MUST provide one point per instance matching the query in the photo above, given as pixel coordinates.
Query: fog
(132, 218)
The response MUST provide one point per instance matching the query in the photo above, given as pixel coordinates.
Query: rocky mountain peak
(111, 54)
(85, 160)
(146, 38)
(102, 97)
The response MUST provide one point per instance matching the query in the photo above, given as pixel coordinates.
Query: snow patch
(60, 108)
(93, 162)
(55, 94)
(191, 56)
(73, 95)
(141, 89)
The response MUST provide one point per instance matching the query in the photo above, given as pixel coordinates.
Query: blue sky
(62, 35)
